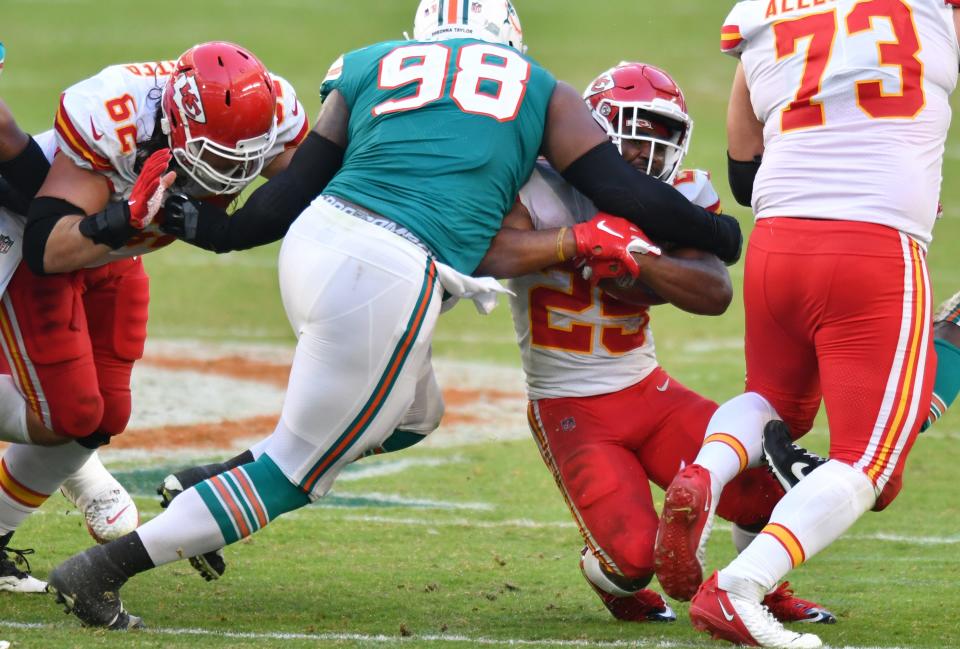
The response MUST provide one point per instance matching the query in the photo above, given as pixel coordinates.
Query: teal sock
(947, 384)
(248, 497)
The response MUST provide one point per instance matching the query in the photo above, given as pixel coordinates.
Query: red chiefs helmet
(219, 112)
(636, 101)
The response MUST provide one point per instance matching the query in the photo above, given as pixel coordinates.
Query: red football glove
(605, 244)
(146, 197)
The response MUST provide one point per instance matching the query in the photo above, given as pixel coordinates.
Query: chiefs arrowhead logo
(604, 82)
(187, 97)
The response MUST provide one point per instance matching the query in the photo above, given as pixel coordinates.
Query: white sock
(809, 518)
(13, 413)
(741, 537)
(593, 571)
(87, 482)
(257, 449)
(29, 474)
(734, 438)
(185, 529)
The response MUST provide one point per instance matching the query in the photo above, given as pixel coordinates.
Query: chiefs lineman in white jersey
(606, 417)
(846, 104)
(74, 312)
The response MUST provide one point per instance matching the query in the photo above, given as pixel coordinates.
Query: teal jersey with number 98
(441, 137)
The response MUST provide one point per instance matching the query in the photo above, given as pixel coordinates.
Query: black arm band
(741, 175)
(42, 216)
(269, 211)
(11, 199)
(662, 212)
(111, 227)
(27, 170)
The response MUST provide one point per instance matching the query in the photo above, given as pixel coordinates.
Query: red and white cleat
(644, 605)
(726, 616)
(685, 524)
(787, 607)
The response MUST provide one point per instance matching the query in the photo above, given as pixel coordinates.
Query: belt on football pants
(389, 225)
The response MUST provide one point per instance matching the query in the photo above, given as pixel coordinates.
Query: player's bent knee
(79, 416)
(632, 553)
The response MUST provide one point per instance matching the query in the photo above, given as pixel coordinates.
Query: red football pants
(842, 309)
(70, 340)
(604, 450)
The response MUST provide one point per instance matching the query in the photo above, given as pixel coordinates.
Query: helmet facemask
(666, 138)
(221, 169)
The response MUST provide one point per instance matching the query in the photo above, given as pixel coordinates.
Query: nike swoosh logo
(723, 610)
(113, 519)
(663, 388)
(800, 470)
(296, 108)
(93, 129)
(602, 225)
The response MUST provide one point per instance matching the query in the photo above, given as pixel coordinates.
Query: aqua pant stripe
(382, 390)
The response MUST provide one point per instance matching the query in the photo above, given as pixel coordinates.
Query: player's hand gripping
(146, 197)
(121, 220)
(606, 244)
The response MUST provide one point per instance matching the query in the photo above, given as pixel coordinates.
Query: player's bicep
(744, 130)
(571, 131)
(333, 119)
(84, 188)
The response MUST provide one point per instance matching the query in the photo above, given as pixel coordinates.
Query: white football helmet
(495, 21)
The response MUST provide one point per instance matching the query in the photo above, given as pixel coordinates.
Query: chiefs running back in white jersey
(853, 95)
(576, 340)
(102, 119)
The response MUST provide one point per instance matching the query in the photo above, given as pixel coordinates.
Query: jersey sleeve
(86, 133)
(732, 40)
(552, 202)
(292, 122)
(696, 186)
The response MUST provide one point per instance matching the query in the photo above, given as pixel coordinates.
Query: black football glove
(181, 217)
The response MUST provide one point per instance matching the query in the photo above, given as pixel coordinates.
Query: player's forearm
(662, 212)
(68, 250)
(690, 280)
(514, 253)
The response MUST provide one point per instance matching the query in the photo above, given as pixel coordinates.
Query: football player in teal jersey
(420, 149)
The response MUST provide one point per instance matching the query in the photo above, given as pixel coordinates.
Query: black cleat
(210, 565)
(15, 573)
(88, 585)
(788, 462)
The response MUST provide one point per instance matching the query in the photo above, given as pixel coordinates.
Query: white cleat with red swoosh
(107, 507)
(726, 616)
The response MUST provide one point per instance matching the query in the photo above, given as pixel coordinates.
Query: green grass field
(476, 545)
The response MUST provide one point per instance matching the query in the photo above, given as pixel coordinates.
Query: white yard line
(392, 639)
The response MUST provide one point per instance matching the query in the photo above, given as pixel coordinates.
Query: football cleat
(642, 606)
(107, 508)
(210, 565)
(685, 524)
(949, 311)
(726, 616)
(787, 607)
(788, 462)
(88, 586)
(15, 574)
